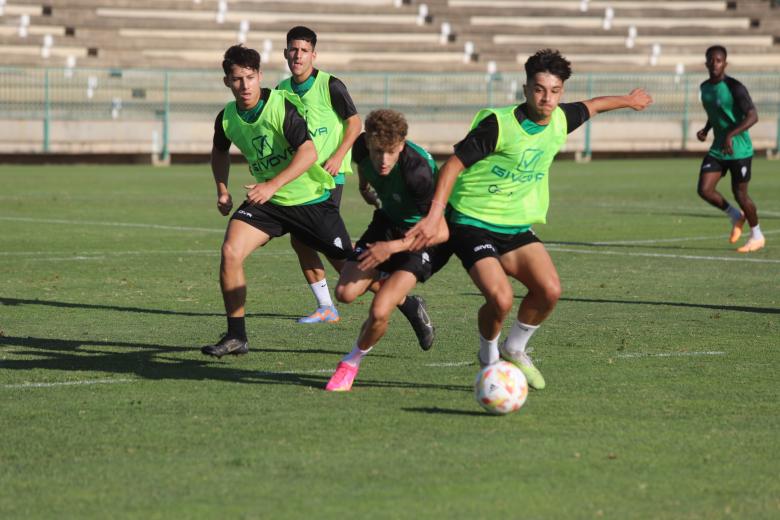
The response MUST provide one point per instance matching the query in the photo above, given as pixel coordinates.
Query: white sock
(355, 356)
(755, 232)
(321, 292)
(519, 336)
(488, 349)
(733, 213)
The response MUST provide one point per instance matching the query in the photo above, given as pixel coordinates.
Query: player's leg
(240, 240)
(353, 282)
(532, 266)
(393, 290)
(740, 178)
(319, 228)
(710, 173)
(314, 273)
(489, 278)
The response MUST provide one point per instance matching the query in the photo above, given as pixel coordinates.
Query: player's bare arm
(220, 168)
(366, 192)
(351, 132)
(304, 158)
(638, 99)
(701, 135)
(425, 231)
(751, 118)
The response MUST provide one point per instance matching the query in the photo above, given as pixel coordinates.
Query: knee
(231, 256)
(379, 314)
(551, 292)
(502, 301)
(344, 294)
(703, 192)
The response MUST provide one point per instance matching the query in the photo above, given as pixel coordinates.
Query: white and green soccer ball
(501, 388)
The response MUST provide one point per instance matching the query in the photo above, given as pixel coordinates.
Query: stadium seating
(388, 35)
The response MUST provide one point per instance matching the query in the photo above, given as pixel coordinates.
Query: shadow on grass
(735, 308)
(141, 310)
(164, 362)
(447, 411)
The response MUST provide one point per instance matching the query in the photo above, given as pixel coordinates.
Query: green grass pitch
(661, 362)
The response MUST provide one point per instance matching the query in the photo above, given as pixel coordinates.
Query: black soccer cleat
(420, 320)
(226, 345)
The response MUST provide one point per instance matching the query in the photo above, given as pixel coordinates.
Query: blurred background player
(292, 190)
(497, 187)
(730, 112)
(402, 176)
(334, 125)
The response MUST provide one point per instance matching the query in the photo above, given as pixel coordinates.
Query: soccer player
(334, 125)
(495, 187)
(291, 193)
(402, 176)
(730, 112)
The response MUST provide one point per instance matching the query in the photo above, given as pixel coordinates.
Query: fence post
(46, 110)
(587, 152)
(164, 154)
(685, 121)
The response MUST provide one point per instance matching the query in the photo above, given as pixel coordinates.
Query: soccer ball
(501, 388)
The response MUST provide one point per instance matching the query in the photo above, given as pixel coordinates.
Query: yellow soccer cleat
(736, 229)
(753, 244)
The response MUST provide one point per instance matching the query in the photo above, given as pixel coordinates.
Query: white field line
(111, 224)
(673, 354)
(70, 383)
(446, 364)
(668, 240)
(740, 258)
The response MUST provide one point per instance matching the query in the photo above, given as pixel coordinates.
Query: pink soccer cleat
(342, 379)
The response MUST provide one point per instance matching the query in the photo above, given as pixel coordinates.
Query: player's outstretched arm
(304, 157)
(353, 128)
(426, 230)
(220, 168)
(637, 99)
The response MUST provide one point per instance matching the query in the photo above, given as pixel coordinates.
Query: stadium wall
(164, 115)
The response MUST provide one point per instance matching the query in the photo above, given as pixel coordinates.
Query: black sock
(236, 328)
(408, 306)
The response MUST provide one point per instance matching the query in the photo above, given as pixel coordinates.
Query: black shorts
(422, 264)
(740, 168)
(335, 195)
(319, 225)
(472, 244)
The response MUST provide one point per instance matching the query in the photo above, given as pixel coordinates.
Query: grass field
(661, 363)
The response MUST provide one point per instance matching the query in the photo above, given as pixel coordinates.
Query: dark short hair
(386, 127)
(299, 32)
(242, 56)
(548, 60)
(715, 48)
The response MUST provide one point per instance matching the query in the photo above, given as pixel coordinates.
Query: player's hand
(333, 165)
(639, 99)
(224, 203)
(370, 197)
(728, 149)
(701, 135)
(259, 193)
(374, 255)
(423, 233)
